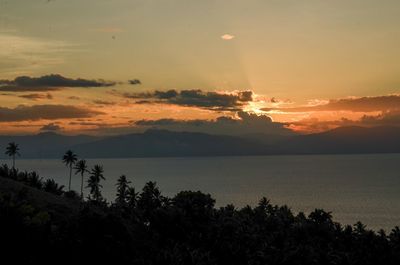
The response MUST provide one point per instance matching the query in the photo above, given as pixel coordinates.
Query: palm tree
(12, 150)
(132, 197)
(122, 189)
(81, 168)
(69, 159)
(150, 198)
(96, 175)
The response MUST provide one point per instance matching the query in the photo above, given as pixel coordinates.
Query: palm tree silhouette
(69, 159)
(12, 150)
(81, 168)
(96, 175)
(122, 190)
(150, 198)
(132, 197)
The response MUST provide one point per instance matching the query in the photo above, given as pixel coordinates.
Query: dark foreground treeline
(42, 224)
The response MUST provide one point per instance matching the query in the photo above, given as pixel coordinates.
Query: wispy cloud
(109, 29)
(103, 102)
(37, 96)
(353, 104)
(20, 54)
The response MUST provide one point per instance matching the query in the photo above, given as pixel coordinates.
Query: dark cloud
(49, 83)
(14, 88)
(103, 102)
(51, 127)
(175, 122)
(243, 123)
(37, 96)
(88, 123)
(135, 82)
(362, 104)
(196, 98)
(26, 125)
(387, 118)
(280, 101)
(144, 102)
(46, 112)
(274, 100)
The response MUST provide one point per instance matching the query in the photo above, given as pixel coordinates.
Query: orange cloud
(361, 104)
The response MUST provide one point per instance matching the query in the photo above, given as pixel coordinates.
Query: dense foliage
(148, 228)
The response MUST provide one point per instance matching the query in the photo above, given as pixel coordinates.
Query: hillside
(148, 228)
(58, 207)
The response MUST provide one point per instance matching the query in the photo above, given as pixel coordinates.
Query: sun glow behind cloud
(104, 107)
(288, 53)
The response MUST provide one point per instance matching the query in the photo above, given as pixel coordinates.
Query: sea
(354, 188)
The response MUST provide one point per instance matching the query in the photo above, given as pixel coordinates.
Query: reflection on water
(353, 187)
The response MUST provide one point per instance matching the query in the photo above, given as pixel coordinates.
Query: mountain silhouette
(345, 140)
(45, 145)
(163, 143)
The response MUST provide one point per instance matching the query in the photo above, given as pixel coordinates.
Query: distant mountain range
(345, 140)
(44, 145)
(161, 143)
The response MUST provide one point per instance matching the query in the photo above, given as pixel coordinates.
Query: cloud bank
(45, 112)
(244, 124)
(195, 98)
(51, 127)
(49, 83)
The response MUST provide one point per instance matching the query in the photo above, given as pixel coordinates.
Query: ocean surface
(354, 188)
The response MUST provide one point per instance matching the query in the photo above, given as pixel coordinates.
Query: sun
(255, 107)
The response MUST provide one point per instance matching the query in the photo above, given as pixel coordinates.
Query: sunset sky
(218, 66)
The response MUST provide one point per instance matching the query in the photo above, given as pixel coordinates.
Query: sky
(262, 66)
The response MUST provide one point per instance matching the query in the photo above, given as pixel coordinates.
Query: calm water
(353, 187)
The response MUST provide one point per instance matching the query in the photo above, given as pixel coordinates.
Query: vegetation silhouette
(122, 191)
(41, 222)
(96, 175)
(81, 168)
(69, 159)
(51, 186)
(12, 150)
